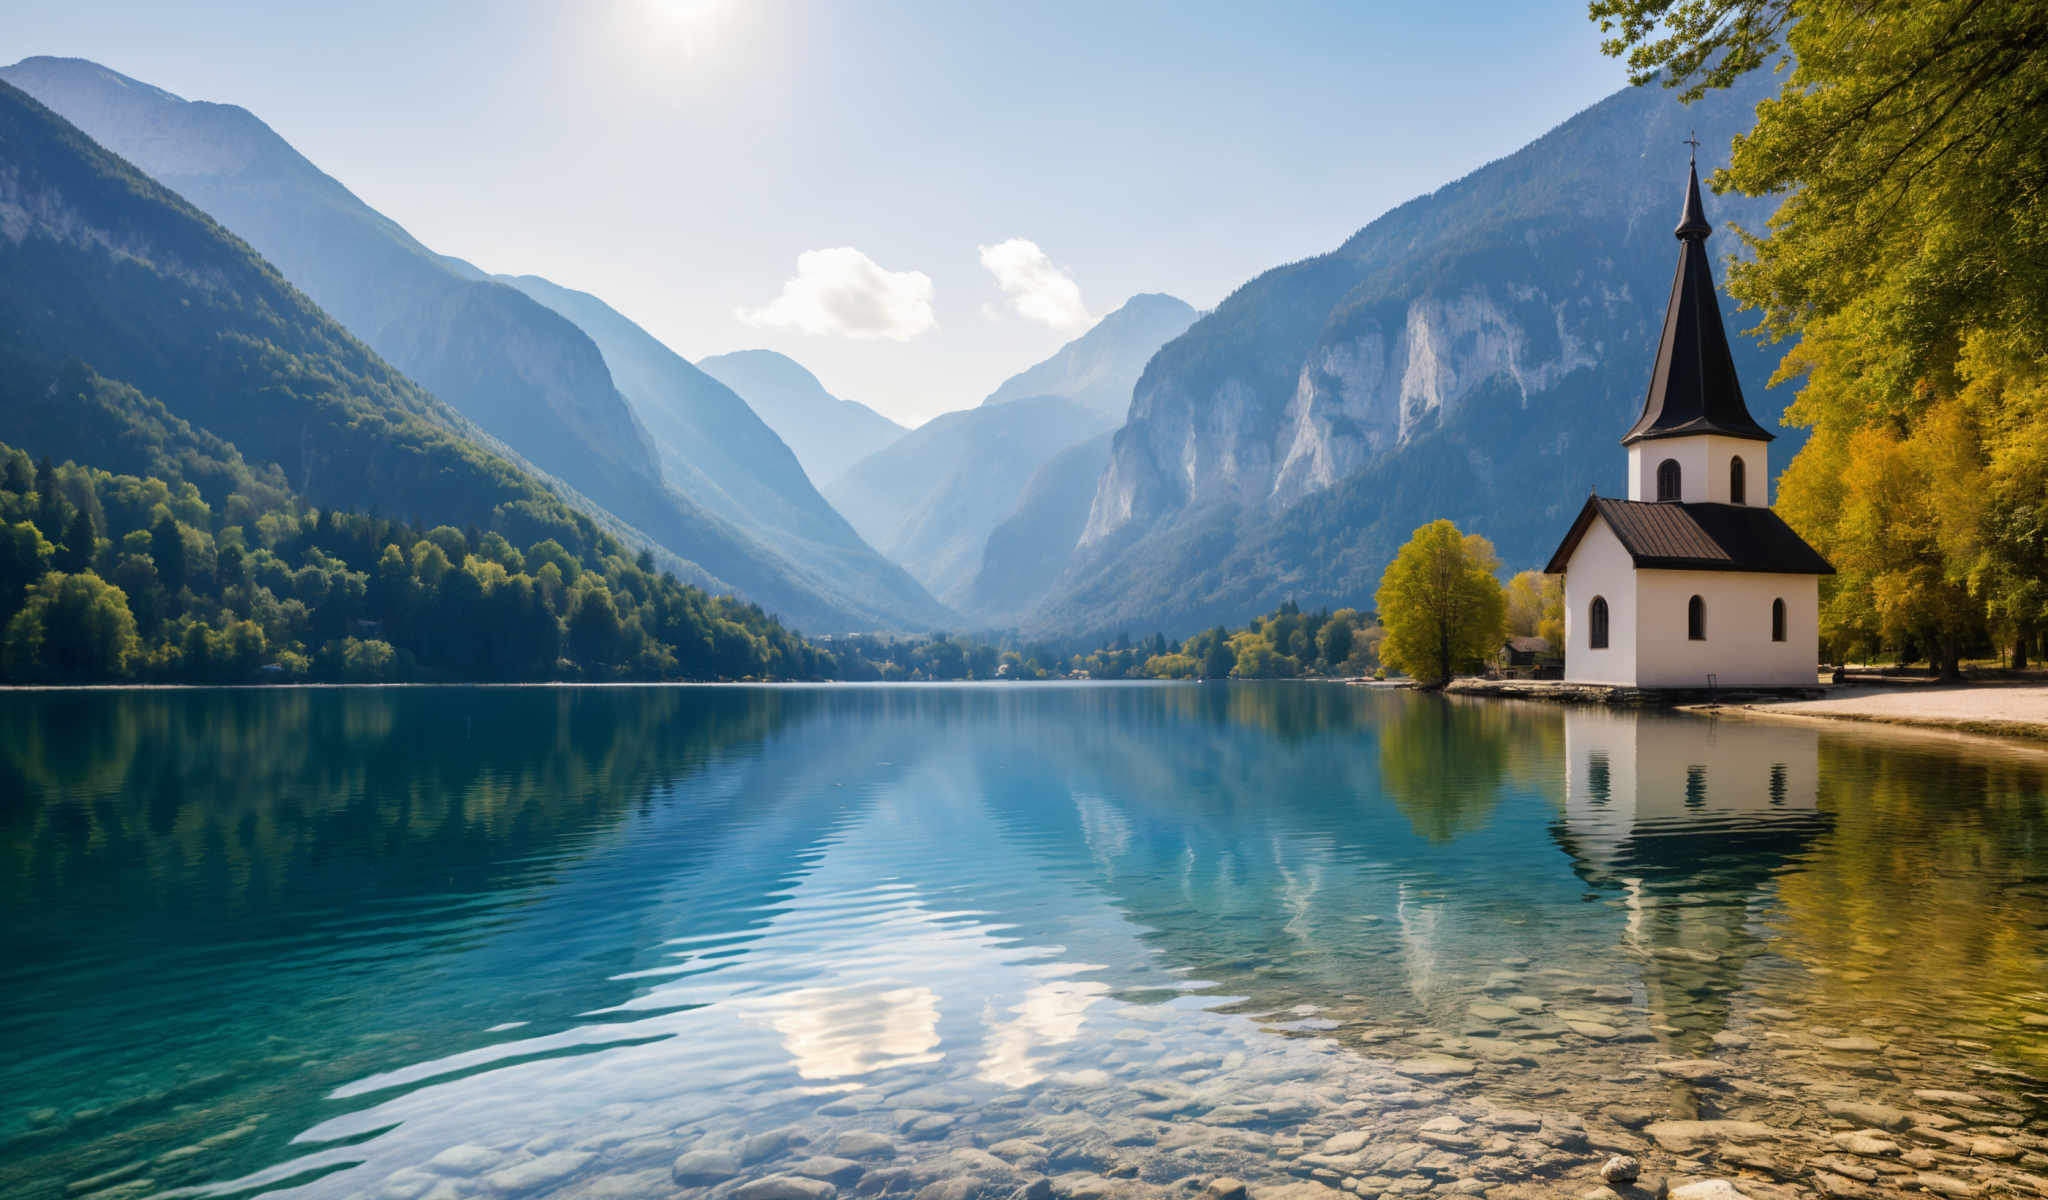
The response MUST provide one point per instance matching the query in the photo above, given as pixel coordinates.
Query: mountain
(1097, 369)
(1473, 354)
(518, 369)
(138, 336)
(1024, 555)
(931, 498)
(715, 449)
(827, 434)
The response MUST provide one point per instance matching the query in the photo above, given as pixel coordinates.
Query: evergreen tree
(76, 553)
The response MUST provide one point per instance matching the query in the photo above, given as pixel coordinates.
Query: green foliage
(69, 629)
(264, 586)
(1535, 607)
(1442, 607)
(1909, 260)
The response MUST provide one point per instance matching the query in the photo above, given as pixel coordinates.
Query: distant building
(1693, 579)
(1521, 656)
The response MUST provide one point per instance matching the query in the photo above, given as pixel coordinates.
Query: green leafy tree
(1441, 605)
(596, 635)
(1333, 640)
(80, 541)
(1216, 655)
(24, 556)
(368, 661)
(1908, 263)
(72, 628)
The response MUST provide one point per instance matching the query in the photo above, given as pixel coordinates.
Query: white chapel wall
(1703, 464)
(1600, 566)
(1738, 649)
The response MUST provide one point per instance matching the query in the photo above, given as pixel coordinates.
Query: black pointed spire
(1693, 221)
(1693, 388)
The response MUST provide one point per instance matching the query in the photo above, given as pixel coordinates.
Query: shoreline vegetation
(125, 579)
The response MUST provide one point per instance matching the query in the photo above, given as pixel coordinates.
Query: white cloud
(1037, 289)
(843, 291)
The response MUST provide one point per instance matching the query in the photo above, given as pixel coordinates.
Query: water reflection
(320, 941)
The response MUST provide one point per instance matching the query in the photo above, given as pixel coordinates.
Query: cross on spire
(1693, 140)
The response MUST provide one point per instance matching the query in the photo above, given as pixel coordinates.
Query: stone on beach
(1683, 1137)
(534, 1173)
(1707, 1189)
(1866, 1142)
(705, 1166)
(1434, 1066)
(1875, 1116)
(1621, 1169)
(864, 1143)
(1692, 1070)
(784, 1187)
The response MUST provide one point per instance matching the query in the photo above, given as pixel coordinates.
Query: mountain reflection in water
(338, 941)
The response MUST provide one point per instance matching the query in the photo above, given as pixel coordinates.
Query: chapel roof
(1693, 387)
(1692, 536)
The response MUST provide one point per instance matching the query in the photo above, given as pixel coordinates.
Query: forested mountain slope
(524, 373)
(719, 452)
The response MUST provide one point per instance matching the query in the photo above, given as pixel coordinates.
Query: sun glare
(692, 27)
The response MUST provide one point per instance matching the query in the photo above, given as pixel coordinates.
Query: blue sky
(914, 199)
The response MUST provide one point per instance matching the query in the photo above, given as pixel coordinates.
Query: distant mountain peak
(1097, 369)
(827, 433)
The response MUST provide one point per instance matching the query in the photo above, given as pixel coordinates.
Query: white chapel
(1692, 581)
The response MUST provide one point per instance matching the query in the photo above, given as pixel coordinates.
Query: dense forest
(109, 577)
(122, 577)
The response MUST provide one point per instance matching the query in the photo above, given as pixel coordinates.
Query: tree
(71, 628)
(24, 556)
(1909, 261)
(1333, 641)
(595, 633)
(167, 550)
(1536, 606)
(79, 543)
(1217, 657)
(1440, 603)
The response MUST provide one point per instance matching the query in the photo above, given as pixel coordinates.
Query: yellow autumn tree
(1440, 603)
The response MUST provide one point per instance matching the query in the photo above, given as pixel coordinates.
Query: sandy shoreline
(2000, 710)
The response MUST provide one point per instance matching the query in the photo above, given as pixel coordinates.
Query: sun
(690, 26)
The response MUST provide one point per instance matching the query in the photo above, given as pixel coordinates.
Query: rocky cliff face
(1473, 354)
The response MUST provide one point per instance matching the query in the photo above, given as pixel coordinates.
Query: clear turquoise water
(307, 941)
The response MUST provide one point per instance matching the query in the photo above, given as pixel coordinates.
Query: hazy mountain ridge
(1024, 555)
(519, 369)
(715, 448)
(138, 335)
(1098, 369)
(1475, 353)
(931, 499)
(826, 433)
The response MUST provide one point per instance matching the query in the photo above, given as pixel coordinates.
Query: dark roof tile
(1665, 535)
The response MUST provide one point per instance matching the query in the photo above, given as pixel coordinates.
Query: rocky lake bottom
(1281, 941)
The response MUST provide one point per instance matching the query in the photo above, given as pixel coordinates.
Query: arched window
(1738, 485)
(1596, 624)
(1667, 479)
(1599, 782)
(1777, 620)
(1696, 619)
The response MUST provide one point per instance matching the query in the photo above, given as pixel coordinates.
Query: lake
(787, 943)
